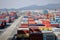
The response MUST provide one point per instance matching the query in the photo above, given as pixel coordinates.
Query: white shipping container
(38, 21)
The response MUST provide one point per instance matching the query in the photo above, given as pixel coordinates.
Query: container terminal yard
(30, 25)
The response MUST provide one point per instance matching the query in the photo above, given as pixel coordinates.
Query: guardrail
(10, 29)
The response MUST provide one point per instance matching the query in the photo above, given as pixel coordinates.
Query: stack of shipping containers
(35, 28)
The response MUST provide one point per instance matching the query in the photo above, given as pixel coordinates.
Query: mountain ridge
(36, 7)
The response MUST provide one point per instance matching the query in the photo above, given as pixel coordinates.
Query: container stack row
(35, 27)
(6, 18)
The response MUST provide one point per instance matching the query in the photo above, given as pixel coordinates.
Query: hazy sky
(24, 3)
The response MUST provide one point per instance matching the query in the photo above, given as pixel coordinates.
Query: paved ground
(11, 30)
(2, 30)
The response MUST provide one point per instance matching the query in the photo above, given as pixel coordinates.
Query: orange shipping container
(46, 23)
(32, 22)
(30, 19)
(24, 26)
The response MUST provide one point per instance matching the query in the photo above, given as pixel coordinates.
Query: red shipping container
(30, 19)
(58, 14)
(36, 36)
(32, 22)
(24, 26)
(8, 21)
(54, 25)
(34, 27)
(12, 13)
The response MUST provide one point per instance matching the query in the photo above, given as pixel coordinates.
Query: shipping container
(36, 25)
(54, 24)
(8, 19)
(30, 22)
(23, 33)
(25, 17)
(43, 28)
(36, 35)
(49, 36)
(38, 21)
(24, 26)
(2, 23)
